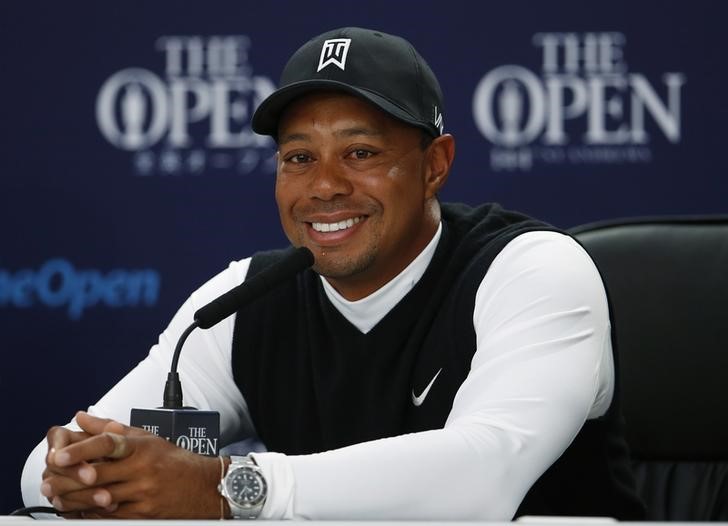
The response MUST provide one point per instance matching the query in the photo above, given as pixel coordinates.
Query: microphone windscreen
(251, 289)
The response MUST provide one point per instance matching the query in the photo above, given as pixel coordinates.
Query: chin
(339, 266)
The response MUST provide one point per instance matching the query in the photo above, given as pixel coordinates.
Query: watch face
(246, 487)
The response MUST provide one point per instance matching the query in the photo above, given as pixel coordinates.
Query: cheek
(278, 194)
(284, 204)
(408, 171)
(284, 193)
(403, 185)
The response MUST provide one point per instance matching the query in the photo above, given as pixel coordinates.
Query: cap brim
(266, 117)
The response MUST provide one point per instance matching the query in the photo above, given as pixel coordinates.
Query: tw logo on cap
(334, 52)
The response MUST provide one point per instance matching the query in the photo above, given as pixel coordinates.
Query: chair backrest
(667, 279)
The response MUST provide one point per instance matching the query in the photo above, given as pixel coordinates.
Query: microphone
(249, 290)
(187, 427)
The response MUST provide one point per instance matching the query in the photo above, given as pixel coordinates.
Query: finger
(114, 471)
(125, 509)
(117, 427)
(59, 437)
(92, 424)
(105, 445)
(74, 479)
(104, 502)
(88, 499)
(82, 473)
(95, 425)
(121, 448)
(128, 431)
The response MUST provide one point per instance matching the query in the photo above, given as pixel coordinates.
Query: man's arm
(204, 371)
(543, 366)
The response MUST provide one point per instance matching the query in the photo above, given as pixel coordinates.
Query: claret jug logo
(194, 117)
(585, 107)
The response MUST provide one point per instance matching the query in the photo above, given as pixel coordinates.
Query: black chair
(667, 279)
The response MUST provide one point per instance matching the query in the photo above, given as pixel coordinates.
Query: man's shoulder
(476, 235)
(547, 248)
(478, 213)
(547, 264)
(487, 221)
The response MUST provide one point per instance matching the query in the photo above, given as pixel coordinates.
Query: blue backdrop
(129, 175)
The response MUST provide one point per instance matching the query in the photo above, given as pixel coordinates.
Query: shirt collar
(365, 313)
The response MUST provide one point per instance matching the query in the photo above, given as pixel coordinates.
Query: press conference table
(548, 521)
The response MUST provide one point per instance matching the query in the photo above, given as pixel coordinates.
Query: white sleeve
(542, 367)
(204, 369)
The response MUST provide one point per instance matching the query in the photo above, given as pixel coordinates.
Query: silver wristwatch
(244, 487)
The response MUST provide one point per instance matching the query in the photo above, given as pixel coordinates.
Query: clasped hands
(109, 470)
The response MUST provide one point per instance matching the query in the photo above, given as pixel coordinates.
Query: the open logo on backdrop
(194, 117)
(585, 107)
(57, 284)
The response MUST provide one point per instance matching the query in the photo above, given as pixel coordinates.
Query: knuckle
(147, 487)
(56, 485)
(54, 432)
(109, 426)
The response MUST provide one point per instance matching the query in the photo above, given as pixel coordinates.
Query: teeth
(333, 227)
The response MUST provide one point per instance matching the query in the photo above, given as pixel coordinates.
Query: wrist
(224, 505)
(215, 507)
(244, 487)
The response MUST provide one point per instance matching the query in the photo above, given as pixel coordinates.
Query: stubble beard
(341, 263)
(336, 264)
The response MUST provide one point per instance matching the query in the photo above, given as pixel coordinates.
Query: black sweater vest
(314, 382)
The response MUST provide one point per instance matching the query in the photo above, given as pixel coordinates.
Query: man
(438, 362)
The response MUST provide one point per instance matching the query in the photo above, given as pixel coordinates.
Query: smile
(334, 227)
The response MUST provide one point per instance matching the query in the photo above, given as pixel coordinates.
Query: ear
(439, 158)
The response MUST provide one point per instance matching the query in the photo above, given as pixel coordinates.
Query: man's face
(351, 186)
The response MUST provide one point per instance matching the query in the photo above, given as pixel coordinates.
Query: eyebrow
(294, 137)
(353, 132)
(347, 132)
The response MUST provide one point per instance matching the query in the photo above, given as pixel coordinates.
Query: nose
(329, 180)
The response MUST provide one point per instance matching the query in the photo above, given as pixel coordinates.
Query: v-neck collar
(364, 314)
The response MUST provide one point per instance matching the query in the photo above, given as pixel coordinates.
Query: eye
(361, 153)
(297, 158)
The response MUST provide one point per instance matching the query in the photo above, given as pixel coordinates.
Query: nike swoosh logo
(417, 400)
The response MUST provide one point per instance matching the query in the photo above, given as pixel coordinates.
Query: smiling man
(438, 361)
(356, 187)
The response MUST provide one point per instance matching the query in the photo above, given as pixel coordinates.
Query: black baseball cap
(383, 69)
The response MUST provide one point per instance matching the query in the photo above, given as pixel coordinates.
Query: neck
(359, 286)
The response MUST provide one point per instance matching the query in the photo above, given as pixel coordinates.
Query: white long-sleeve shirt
(543, 366)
